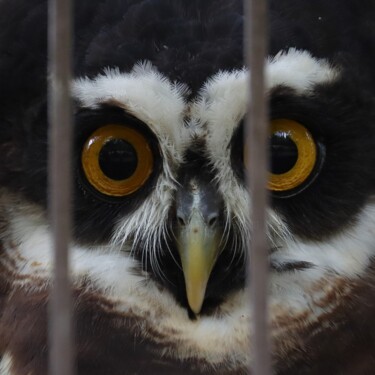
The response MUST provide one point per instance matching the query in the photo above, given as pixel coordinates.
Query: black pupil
(284, 153)
(118, 159)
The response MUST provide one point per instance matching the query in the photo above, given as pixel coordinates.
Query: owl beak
(198, 246)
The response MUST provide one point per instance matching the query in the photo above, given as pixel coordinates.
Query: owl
(160, 204)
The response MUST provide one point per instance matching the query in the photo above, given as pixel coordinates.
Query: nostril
(212, 220)
(181, 220)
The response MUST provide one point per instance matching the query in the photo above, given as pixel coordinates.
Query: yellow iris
(94, 173)
(306, 155)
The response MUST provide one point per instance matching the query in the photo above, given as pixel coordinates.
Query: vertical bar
(60, 119)
(256, 135)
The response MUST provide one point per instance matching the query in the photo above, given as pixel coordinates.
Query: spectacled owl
(160, 205)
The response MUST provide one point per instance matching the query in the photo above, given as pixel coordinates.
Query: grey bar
(60, 119)
(256, 135)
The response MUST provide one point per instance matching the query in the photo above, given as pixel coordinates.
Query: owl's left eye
(117, 160)
(294, 156)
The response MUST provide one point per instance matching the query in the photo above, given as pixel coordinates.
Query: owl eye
(293, 155)
(117, 160)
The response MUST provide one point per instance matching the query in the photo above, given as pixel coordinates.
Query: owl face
(159, 176)
(198, 158)
(160, 204)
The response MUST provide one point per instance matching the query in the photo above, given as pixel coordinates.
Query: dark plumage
(169, 77)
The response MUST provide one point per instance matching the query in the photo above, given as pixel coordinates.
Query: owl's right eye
(117, 160)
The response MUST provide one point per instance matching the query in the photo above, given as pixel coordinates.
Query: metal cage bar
(256, 135)
(60, 119)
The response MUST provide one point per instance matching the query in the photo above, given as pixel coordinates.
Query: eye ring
(90, 159)
(306, 156)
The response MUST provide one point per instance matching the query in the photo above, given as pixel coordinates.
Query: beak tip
(196, 309)
(195, 301)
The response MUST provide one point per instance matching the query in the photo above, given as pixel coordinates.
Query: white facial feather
(144, 93)
(299, 70)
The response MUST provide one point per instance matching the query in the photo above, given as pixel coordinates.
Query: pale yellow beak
(198, 246)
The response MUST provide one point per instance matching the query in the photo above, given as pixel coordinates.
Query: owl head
(160, 204)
